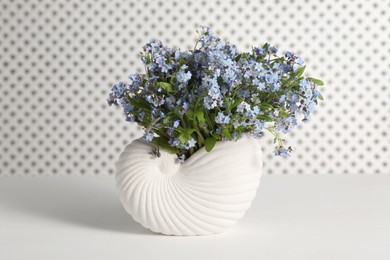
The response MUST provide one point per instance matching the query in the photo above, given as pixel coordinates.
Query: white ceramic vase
(207, 194)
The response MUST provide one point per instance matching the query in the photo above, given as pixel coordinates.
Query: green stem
(277, 136)
(152, 124)
(201, 138)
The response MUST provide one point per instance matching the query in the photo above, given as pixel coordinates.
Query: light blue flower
(300, 62)
(127, 106)
(243, 106)
(290, 55)
(148, 136)
(256, 110)
(303, 83)
(119, 89)
(259, 83)
(191, 143)
(222, 119)
(176, 123)
(209, 103)
(185, 107)
(211, 78)
(183, 77)
(272, 49)
(272, 77)
(285, 124)
(282, 151)
(275, 86)
(175, 142)
(259, 51)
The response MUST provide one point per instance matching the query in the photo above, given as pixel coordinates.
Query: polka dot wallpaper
(59, 59)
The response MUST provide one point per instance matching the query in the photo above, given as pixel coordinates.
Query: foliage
(194, 98)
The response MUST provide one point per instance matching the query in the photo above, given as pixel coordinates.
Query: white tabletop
(293, 217)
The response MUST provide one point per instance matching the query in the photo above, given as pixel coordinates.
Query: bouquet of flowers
(191, 99)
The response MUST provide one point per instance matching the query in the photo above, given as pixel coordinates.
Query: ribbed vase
(207, 194)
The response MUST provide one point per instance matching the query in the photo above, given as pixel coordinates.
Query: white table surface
(293, 217)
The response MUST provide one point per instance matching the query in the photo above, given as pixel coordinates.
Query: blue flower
(176, 123)
(153, 46)
(119, 89)
(209, 103)
(272, 77)
(175, 142)
(258, 67)
(213, 78)
(290, 55)
(256, 110)
(300, 62)
(185, 107)
(285, 124)
(243, 106)
(182, 76)
(191, 143)
(306, 87)
(259, 51)
(136, 82)
(258, 126)
(229, 75)
(272, 49)
(308, 107)
(222, 119)
(259, 83)
(303, 83)
(127, 106)
(148, 136)
(275, 86)
(112, 100)
(244, 93)
(282, 151)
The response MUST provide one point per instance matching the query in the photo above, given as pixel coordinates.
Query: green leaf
(227, 103)
(189, 114)
(172, 80)
(210, 143)
(147, 59)
(220, 81)
(227, 134)
(300, 71)
(181, 62)
(165, 86)
(200, 116)
(237, 58)
(166, 119)
(140, 103)
(265, 47)
(217, 136)
(321, 97)
(187, 133)
(182, 139)
(265, 118)
(209, 121)
(283, 113)
(316, 81)
(177, 110)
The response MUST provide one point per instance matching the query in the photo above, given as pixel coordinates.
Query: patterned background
(58, 60)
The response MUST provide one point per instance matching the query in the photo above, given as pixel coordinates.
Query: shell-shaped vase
(206, 194)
